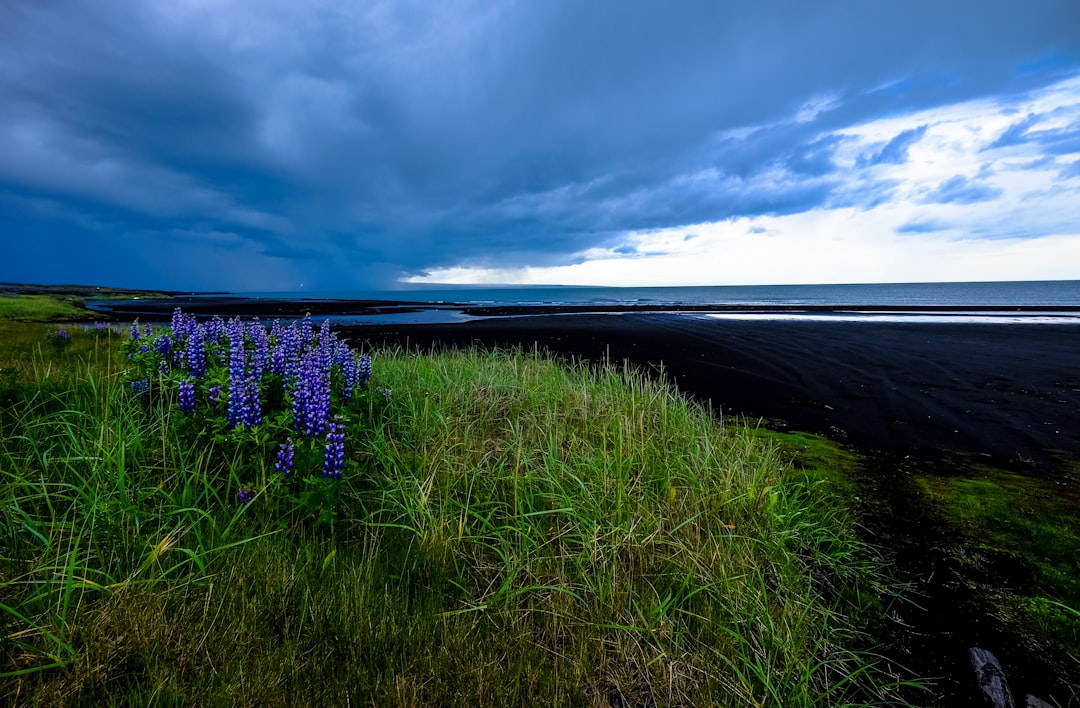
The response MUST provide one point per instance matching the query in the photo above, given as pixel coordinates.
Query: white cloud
(815, 106)
(824, 246)
(959, 209)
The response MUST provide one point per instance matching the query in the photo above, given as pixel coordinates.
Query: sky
(272, 145)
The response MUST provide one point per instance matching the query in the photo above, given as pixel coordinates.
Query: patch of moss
(1028, 521)
(1049, 622)
(819, 457)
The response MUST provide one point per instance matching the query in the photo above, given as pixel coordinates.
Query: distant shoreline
(83, 291)
(229, 306)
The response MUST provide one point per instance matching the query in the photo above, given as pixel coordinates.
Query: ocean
(1050, 302)
(1042, 293)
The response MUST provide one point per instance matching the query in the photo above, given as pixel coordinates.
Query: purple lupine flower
(260, 361)
(215, 397)
(285, 354)
(60, 336)
(277, 358)
(318, 379)
(385, 392)
(216, 338)
(339, 352)
(305, 329)
(326, 355)
(186, 330)
(238, 389)
(334, 457)
(350, 374)
(163, 366)
(163, 345)
(196, 352)
(148, 330)
(234, 332)
(302, 401)
(216, 330)
(291, 353)
(239, 405)
(187, 396)
(181, 333)
(365, 368)
(311, 399)
(284, 461)
(253, 415)
(144, 349)
(179, 324)
(245, 495)
(135, 330)
(328, 344)
(325, 336)
(140, 387)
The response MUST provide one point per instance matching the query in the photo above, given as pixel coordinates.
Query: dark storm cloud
(263, 144)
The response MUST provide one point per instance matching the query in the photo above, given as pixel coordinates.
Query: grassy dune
(510, 531)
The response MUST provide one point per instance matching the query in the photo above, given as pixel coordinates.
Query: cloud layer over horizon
(247, 145)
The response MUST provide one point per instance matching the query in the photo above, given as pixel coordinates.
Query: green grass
(43, 308)
(1029, 523)
(520, 532)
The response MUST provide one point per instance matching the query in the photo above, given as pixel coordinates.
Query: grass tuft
(515, 531)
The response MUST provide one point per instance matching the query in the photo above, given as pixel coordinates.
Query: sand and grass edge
(521, 530)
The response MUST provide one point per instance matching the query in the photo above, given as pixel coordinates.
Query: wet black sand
(1010, 391)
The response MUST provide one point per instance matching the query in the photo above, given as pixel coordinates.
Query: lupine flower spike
(334, 457)
(187, 396)
(284, 461)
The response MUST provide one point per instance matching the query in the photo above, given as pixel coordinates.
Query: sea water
(1042, 301)
(1048, 293)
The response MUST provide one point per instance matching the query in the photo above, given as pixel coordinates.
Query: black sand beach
(1008, 391)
